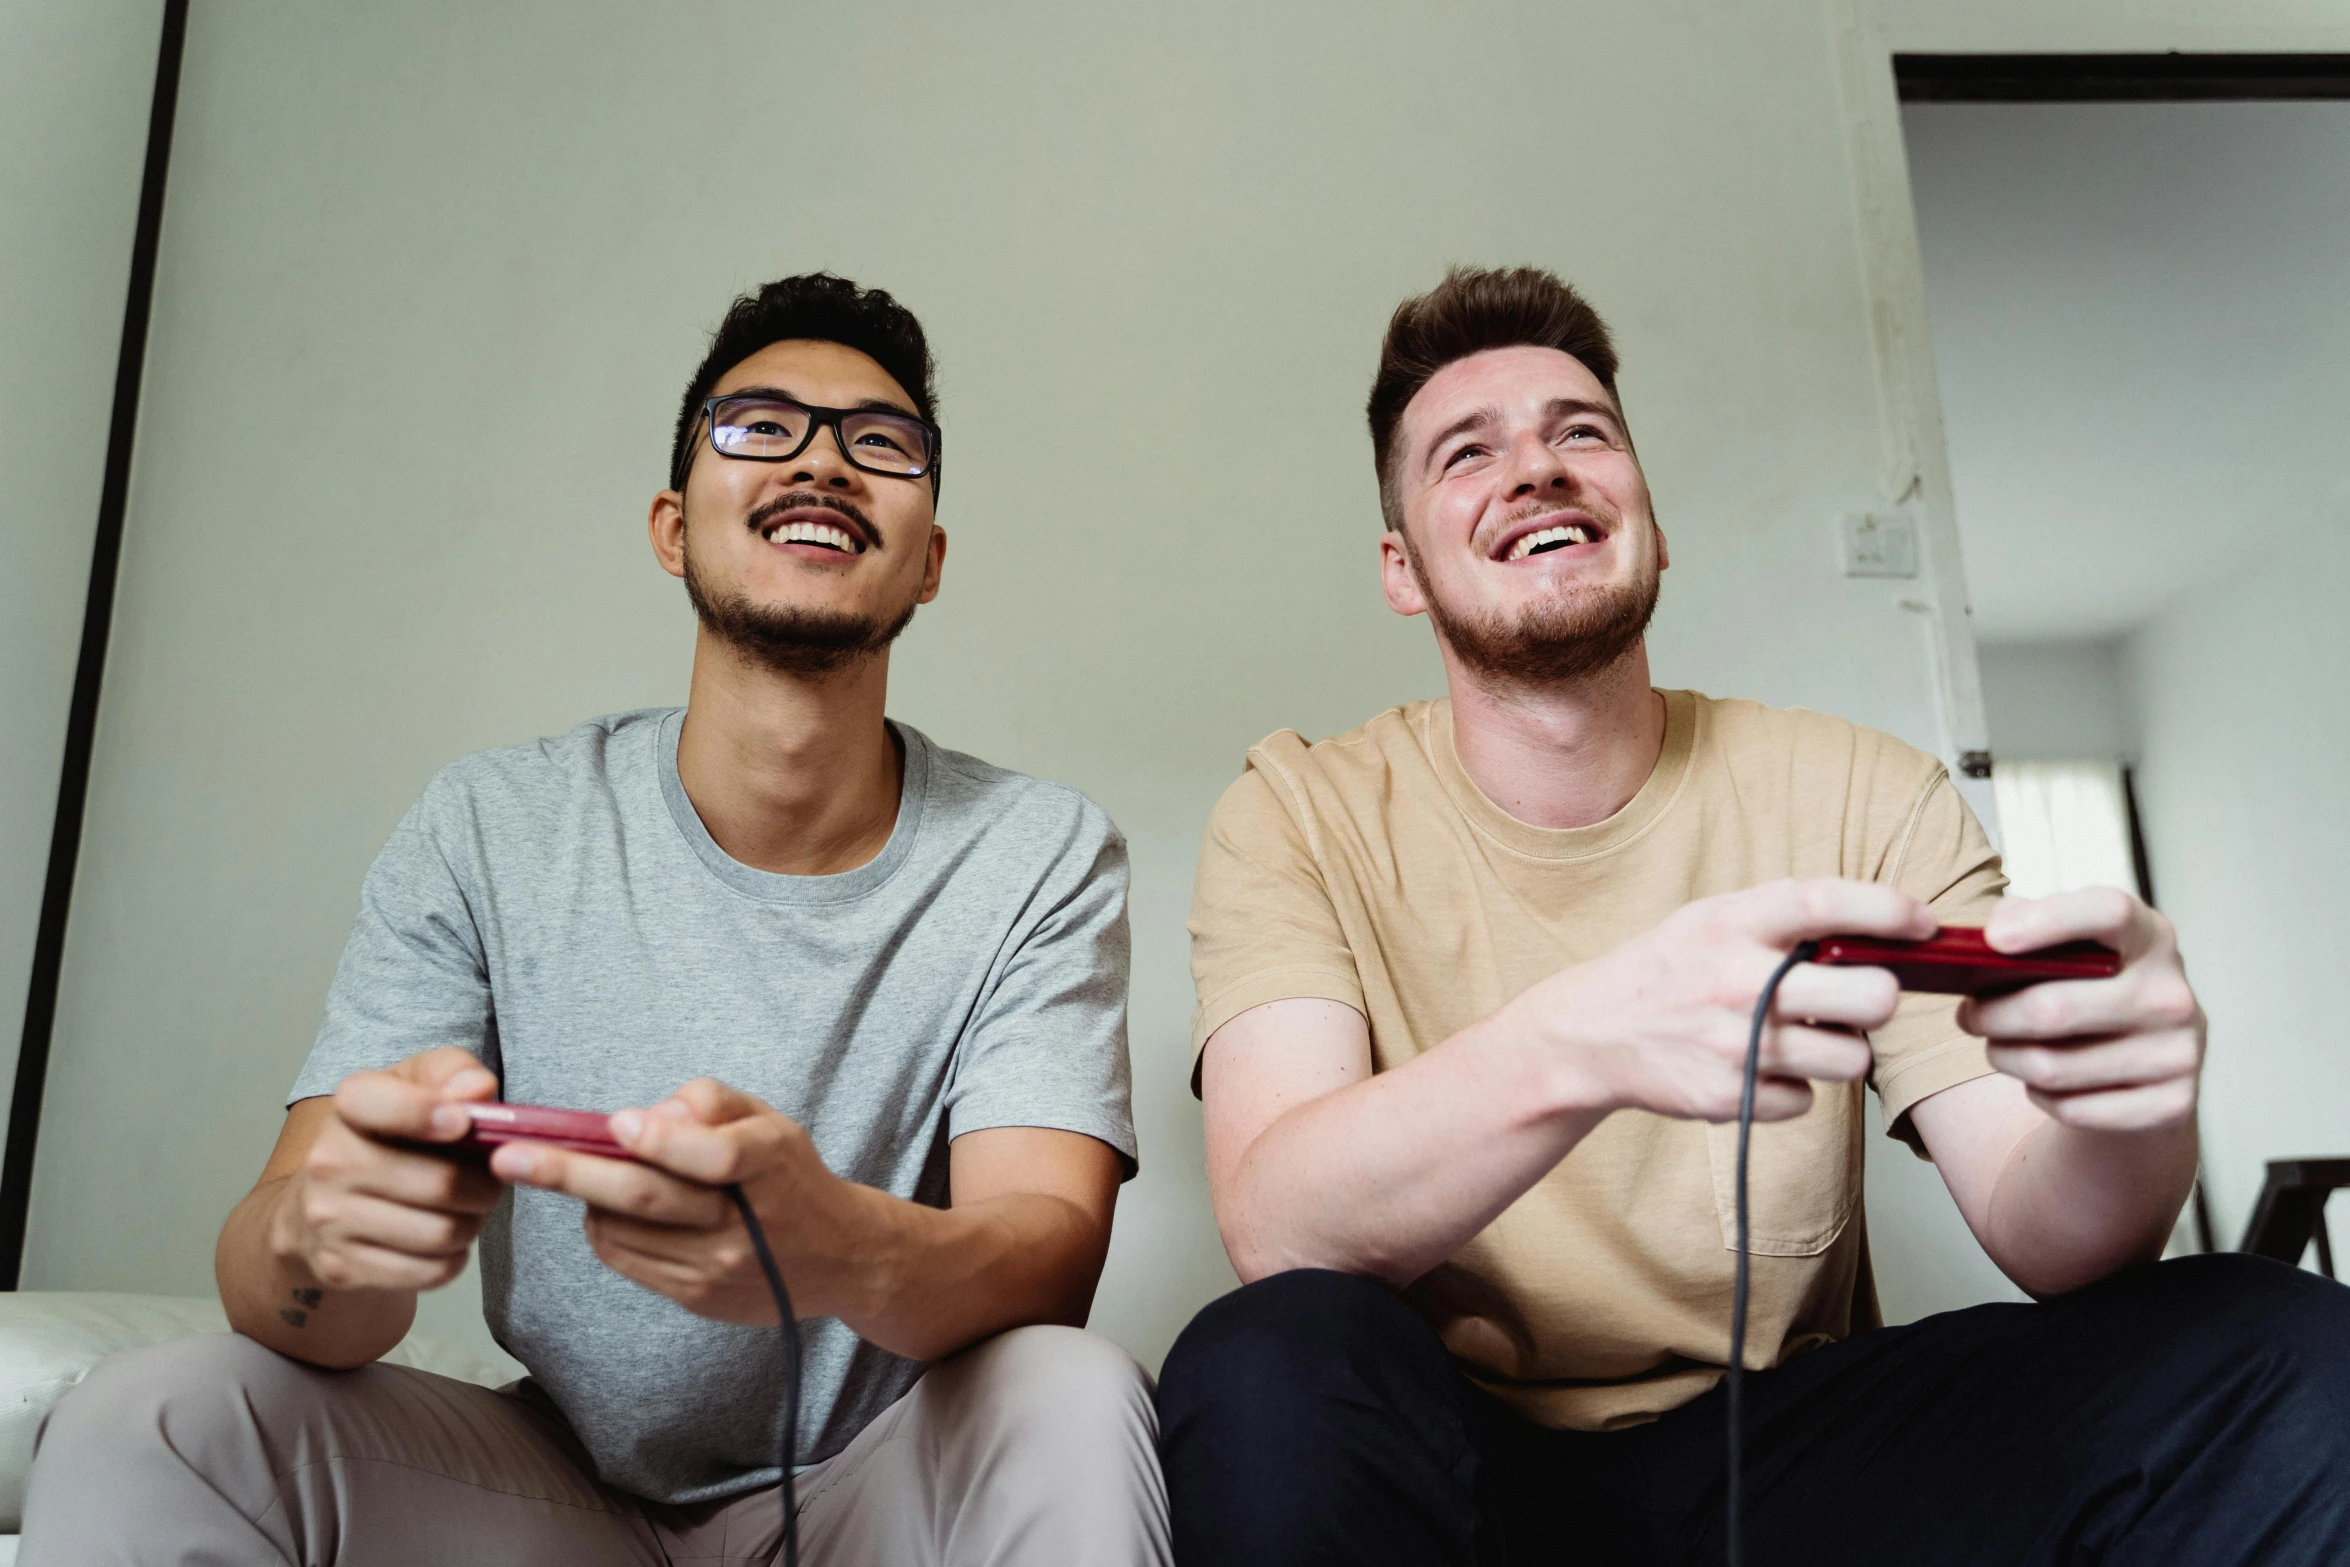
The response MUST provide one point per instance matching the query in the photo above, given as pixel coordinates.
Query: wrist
(1549, 1068)
(285, 1238)
(879, 1254)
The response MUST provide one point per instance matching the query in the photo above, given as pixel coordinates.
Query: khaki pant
(1037, 1446)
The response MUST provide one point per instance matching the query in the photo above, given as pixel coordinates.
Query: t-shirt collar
(1643, 811)
(770, 886)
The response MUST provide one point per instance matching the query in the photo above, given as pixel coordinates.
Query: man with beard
(878, 985)
(1474, 993)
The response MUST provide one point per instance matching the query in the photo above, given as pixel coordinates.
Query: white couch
(50, 1340)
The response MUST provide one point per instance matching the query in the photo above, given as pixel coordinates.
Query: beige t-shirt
(1370, 870)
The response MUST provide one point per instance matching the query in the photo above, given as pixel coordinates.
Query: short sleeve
(413, 976)
(1046, 1045)
(1943, 856)
(1262, 924)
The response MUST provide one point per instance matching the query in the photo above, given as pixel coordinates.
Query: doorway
(2135, 271)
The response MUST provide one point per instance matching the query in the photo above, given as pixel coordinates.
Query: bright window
(2064, 825)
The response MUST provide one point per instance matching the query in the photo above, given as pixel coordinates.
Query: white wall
(1155, 250)
(1159, 235)
(2058, 700)
(365, 539)
(2107, 26)
(2139, 324)
(76, 77)
(2246, 726)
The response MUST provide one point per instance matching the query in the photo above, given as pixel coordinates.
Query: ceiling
(2142, 328)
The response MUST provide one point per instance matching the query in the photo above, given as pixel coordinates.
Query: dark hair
(1473, 309)
(824, 308)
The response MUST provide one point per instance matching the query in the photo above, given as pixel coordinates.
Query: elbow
(1255, 1254)
(2047, 1277)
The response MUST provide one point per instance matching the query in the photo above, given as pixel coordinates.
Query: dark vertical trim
(2138, 863)
(81, 724)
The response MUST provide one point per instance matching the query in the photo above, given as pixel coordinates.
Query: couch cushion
(49, 1340)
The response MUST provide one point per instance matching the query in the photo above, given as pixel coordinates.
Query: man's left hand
(2108, 1055)
(667, 1223)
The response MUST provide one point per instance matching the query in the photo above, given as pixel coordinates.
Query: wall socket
(1880, 544)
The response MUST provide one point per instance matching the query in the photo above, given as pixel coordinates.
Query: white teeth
(1572, 533)
(816, 533)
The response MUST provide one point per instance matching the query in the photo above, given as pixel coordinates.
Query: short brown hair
(1472, 310)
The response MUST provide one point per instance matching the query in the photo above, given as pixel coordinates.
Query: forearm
(272, 1296)
(2072, 1206)
(1389, 1176)
(937, 1279)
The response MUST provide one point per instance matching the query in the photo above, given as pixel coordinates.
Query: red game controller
(580, 1131)
(1957, 961)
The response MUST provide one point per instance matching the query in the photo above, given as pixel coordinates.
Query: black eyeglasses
(769, 427)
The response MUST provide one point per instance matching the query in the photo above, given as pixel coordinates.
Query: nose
(825, 464)
(1535, 466)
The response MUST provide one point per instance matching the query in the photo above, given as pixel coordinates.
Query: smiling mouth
(805, 530)
(1543, 540)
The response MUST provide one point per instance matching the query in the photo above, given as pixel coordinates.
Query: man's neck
(794, 774)
(1563, 755)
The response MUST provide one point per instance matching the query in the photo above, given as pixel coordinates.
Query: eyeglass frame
(819, 418)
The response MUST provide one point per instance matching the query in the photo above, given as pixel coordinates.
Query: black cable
(790, 1442)
(1734, 1498)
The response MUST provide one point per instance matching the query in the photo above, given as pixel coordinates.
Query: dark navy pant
(2190, 1412)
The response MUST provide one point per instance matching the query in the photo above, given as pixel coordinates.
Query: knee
(156, 1390)
(1305, 1326)
(2230, 1297)
(1041, 1377)
(2301, 1318)
(2278, 1334)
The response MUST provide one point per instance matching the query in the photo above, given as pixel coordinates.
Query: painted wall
(2246, 726)
(2058, 700)
(76, 77)
(2106, 26)
(2139, 328)
(433, 279)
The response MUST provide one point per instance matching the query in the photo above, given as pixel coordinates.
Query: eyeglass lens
(770, 429)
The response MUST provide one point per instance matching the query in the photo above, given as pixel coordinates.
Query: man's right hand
(362, 1212)
(1661, 1023)
(1315, 1161)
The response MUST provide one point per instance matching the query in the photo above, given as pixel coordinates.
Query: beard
(1575, 632)
(786, 638)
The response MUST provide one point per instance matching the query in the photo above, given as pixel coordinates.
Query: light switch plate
(1880, 544)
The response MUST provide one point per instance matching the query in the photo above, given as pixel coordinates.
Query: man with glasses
(879, 984)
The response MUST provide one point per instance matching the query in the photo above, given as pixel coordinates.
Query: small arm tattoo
(306, 1301)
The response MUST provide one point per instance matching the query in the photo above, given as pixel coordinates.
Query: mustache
(1598, 511)
(796, 500)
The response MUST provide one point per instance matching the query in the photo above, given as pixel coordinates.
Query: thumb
(450, 1073)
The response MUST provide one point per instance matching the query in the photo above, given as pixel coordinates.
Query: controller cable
(1734, 1499)
(1802, 953)
(789, 1446)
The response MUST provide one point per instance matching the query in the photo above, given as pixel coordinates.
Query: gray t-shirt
(560, 910)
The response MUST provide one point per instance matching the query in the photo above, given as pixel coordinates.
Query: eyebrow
(874, 405)
(1471, 420)
(1557, 407)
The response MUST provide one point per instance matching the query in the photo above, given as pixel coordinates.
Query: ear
(666, 526)
(1664, 556)
(936, 563)
(1396, 575)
